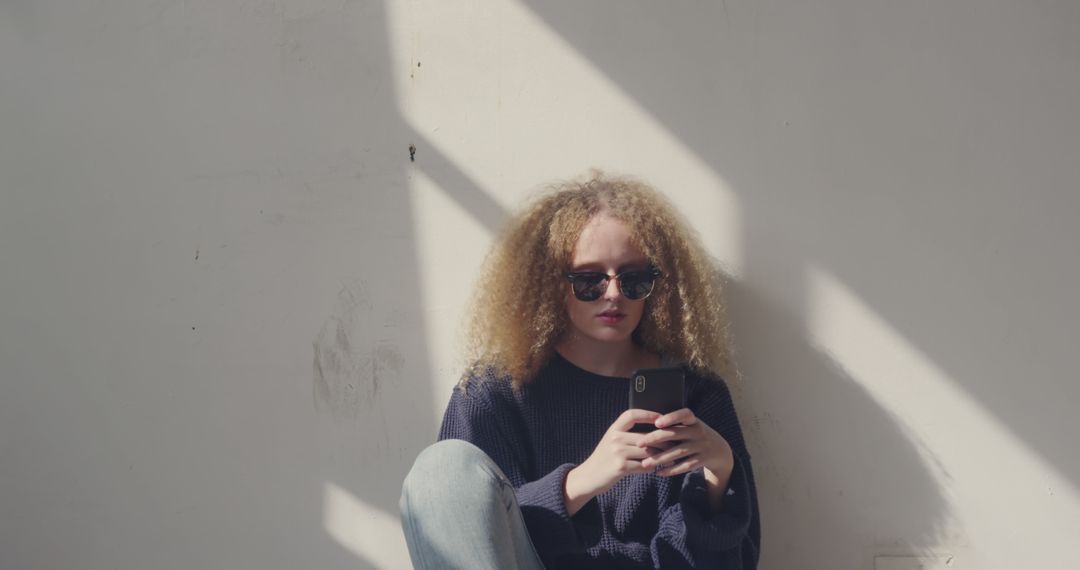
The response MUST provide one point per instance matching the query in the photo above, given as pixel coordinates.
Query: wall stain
(351, 360)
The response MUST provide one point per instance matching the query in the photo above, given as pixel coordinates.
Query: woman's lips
(610, 317)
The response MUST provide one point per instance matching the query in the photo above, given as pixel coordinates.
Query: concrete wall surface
(230, 298)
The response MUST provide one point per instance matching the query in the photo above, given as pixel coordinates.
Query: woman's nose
(612, 291)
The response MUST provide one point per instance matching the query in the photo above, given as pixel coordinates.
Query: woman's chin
(611, 335)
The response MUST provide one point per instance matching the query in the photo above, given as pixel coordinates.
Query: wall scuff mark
(350, 361)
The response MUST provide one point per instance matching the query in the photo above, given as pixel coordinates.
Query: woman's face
(604, 245)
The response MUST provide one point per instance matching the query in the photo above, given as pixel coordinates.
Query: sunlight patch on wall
(979, 463)
(450, 246)
(362, 529)
(513, 106)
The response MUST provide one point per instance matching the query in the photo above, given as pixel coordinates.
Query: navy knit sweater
(540, 432)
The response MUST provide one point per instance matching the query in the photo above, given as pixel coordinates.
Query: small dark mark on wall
(196, 254)
(412, 153)
(418, 64)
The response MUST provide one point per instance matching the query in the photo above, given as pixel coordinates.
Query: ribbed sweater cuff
(544, 508)
(722, 530)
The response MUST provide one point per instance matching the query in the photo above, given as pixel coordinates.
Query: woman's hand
(618, 454)
(688, 444)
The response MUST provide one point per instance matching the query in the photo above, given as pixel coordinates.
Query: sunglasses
(590, 285)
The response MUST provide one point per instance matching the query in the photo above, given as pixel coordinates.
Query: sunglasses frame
(651, 271)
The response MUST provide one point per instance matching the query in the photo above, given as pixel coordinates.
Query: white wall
(229, 301)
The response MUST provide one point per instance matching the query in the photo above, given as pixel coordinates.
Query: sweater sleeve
(690, 534)
(486, 418)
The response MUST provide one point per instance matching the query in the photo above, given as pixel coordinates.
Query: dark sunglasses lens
(637, 284)
(588, 287)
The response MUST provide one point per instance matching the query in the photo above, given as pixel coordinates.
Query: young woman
(537, 466)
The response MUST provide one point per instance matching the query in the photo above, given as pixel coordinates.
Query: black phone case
(658, 390)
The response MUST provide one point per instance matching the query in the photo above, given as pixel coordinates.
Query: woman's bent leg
(458, 510)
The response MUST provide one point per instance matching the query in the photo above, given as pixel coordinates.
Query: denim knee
(451, 469)
(458, 510)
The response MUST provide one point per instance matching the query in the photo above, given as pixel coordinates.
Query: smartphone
(658, 390)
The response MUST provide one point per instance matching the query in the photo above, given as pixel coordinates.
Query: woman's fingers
(632, 459)
(660, 447)
(684, 449)
(685, 466)
(683, 416)
(659, 438)
(665, 436)
(635, 452)
(627, 419)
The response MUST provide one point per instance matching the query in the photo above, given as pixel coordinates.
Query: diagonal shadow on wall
(894, 174)
(372, 375)
(701, 73)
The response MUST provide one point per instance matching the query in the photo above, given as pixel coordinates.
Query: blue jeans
(458, 510)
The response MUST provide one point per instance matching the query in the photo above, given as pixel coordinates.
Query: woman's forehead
(608, 242)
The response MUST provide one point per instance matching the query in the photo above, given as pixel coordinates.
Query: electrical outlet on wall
(943, 562)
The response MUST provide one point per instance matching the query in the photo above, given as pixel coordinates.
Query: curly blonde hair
(518, 308)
